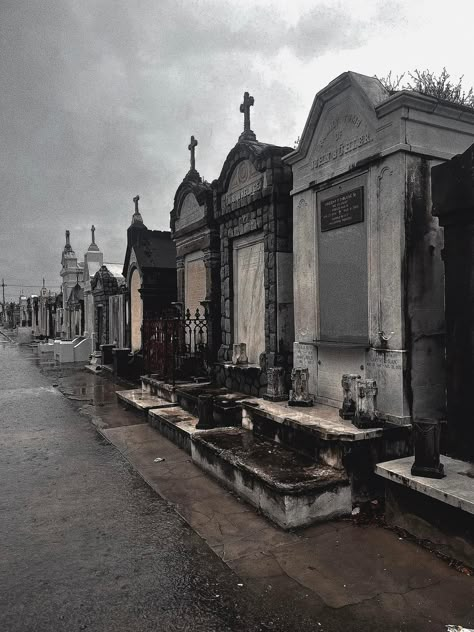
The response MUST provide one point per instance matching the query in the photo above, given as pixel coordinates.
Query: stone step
(319, 433)
(135, 398)
(227, 404)
(286, 486)
(175, 424)
(166, 390)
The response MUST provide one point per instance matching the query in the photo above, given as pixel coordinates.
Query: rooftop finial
(192, 148)
(67, 247)
(137, 218)
(247, 134)
(93, 247)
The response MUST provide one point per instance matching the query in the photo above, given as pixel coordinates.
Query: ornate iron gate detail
(176, 348)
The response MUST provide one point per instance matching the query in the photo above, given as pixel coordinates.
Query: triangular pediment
(341, 125)
(190, 211)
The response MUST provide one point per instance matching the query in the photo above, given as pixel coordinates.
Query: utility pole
(3, 302)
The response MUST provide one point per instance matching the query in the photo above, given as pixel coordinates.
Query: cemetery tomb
(150, 270)
(253, 213)
(196, 237)
(368, 273)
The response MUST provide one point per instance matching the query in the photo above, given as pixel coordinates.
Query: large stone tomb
(368, 272)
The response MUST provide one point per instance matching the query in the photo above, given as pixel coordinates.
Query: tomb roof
(154, 249)
(370, 89)
(115, 269)
(76, 295)
(258, 153)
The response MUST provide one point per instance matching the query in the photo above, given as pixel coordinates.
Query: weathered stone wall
(425, 322)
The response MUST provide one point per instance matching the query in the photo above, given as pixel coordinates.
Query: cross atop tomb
(192, 148)
(137, 218)
(135, 200)
(247, 134)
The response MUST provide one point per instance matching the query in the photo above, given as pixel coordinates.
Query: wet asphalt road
(85, 544)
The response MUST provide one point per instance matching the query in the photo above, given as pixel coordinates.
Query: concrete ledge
(456, 489)
(160, 388)
(143, 402)
(438, 510)
(287, 487)
(175, 424)
(322, 420)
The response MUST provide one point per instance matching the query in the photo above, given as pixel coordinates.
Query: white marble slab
(249, 297)
(455, 489)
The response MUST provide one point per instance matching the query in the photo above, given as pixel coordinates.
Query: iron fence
(176, 347)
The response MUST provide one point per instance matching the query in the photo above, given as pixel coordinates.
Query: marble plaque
(195, 285)
(190, 212)
(249, 298)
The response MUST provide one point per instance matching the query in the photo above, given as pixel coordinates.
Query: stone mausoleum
(150, 272)
(368, 271)
(196, 236)
(252, 209)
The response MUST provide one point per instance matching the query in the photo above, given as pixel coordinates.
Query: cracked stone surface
(333, 576)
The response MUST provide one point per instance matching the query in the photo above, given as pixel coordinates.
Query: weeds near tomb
(427, 82)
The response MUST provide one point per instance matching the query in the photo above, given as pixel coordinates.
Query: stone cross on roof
(137, 218)
(192, 147)
(135, 199)
(247, 134)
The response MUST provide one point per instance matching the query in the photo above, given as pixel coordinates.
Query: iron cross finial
(245, 109)
(192, 148)
(135, 199)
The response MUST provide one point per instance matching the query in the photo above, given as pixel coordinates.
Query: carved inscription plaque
(245, 181)
(343, 210)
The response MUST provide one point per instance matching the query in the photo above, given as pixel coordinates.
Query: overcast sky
(98, 99)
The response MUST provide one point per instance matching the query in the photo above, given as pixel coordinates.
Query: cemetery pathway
(86, 544)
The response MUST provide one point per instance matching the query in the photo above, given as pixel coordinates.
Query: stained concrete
(332, 577)
(142, 401)
(455, 489)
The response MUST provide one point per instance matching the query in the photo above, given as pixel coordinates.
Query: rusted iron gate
(176, 347)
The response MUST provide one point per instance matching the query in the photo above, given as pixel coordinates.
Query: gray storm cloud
(98, 100)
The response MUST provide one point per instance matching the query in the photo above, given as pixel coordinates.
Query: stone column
(453, 203)
(180, 279)
(212, 262)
